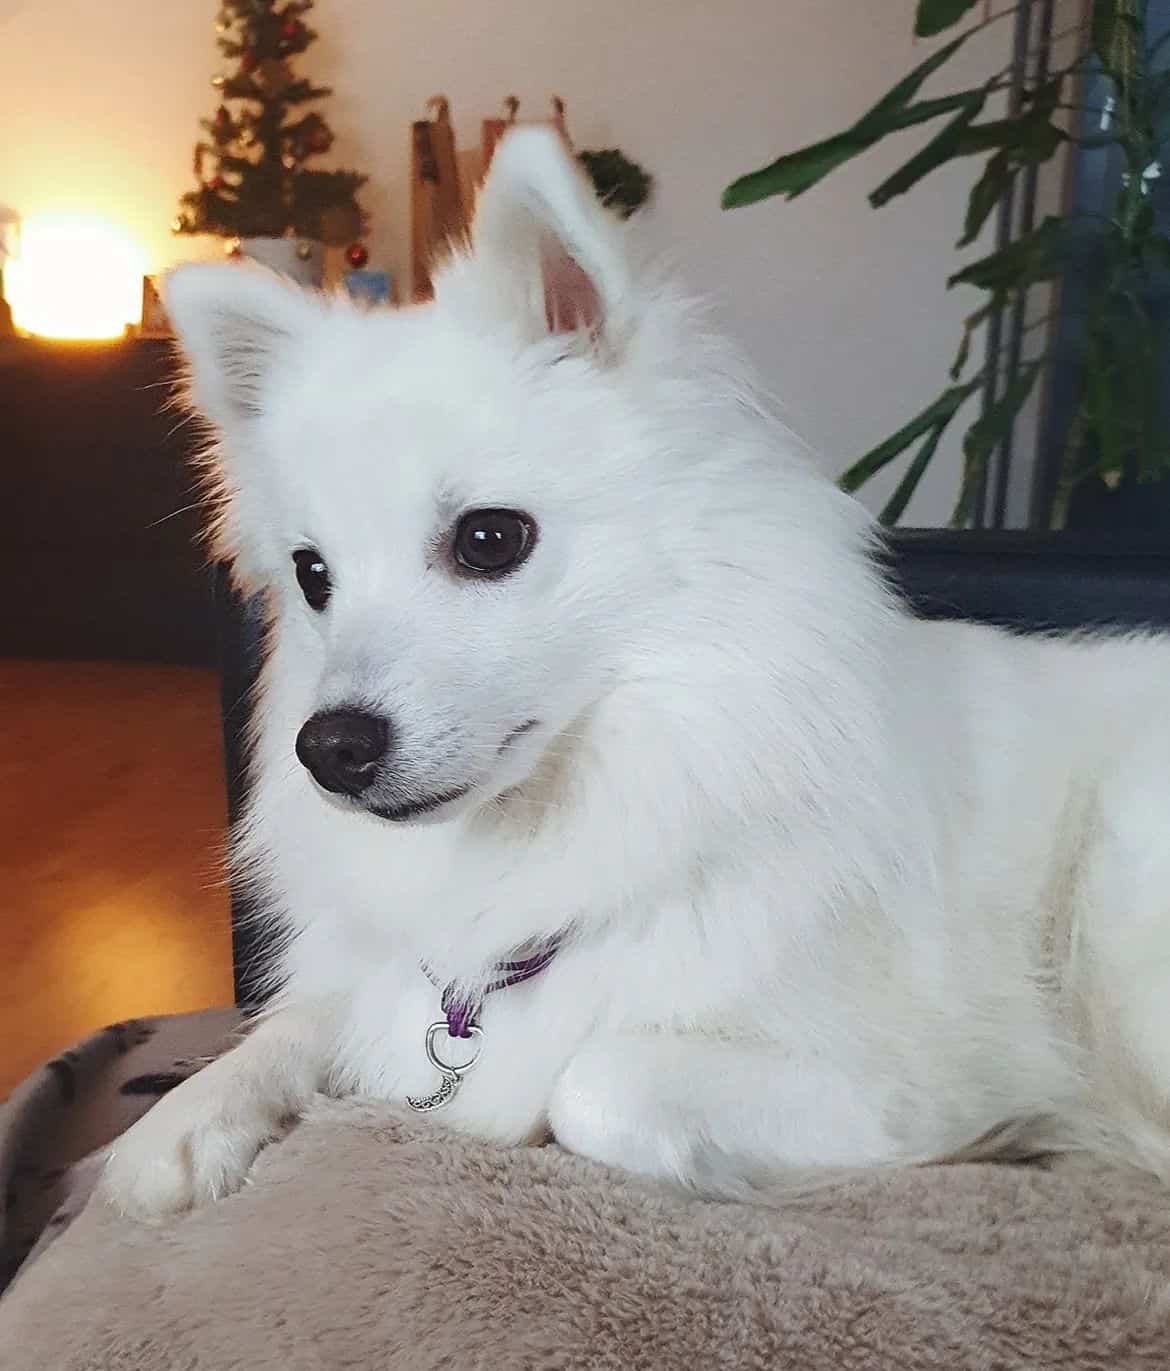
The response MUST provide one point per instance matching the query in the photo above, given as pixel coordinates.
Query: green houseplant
(620, 183)
(1120, 431)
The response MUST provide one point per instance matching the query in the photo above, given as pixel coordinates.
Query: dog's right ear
(235, 323)
(544, 250)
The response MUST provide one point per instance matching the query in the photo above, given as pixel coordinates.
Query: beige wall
(844, 310)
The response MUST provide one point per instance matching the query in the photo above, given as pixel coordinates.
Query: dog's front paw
(196, 1145)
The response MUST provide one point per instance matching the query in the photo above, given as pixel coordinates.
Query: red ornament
(214, 183)
(248, 63)
(321, 141)
(292, 28)
(357, 255)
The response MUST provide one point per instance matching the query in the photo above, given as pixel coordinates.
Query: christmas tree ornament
(289, 161)
(304, 250)
(357, 255)
(233, 247)
(292, 28)
(219, 80)
(215, 182)
(248, 63)
(178, 223)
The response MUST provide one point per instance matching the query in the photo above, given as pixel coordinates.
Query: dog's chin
(430, 809)
(425, 809)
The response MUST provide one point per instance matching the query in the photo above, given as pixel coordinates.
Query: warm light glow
(77, 276)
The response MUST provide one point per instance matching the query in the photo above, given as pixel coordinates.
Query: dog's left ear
(236, 324)
(544, 243)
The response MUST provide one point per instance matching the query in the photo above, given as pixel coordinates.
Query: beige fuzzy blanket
(370, 1240)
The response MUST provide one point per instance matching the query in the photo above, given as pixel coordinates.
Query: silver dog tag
(450, 1076)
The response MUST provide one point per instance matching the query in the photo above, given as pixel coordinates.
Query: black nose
(342, 749)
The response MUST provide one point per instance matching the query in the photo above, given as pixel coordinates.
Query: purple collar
(461, 1011)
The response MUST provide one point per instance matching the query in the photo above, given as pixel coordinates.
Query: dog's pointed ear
(235, 323)
(546, 243)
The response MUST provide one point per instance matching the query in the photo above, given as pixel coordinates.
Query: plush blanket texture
(373, 1240)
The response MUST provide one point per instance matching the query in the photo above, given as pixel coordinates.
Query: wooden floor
(110, 841)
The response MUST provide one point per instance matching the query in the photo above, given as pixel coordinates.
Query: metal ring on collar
(475, 1033)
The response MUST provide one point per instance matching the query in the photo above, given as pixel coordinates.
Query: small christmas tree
(252, 173)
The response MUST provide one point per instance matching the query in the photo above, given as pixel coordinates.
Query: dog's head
(469, 514)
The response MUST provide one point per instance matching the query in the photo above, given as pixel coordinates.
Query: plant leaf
(986, 193)
(1104, 22)
(941, 148)
(1030, 138)
(796, 172)
(1038, 142)
(1143, 221)
(983, 436)
(895, 506)
(940, 411)
(899, 96)
(935, 15)
(1125, 419)
(1038, 256)
(970, 324)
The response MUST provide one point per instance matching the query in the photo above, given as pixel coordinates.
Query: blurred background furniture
(101, 553)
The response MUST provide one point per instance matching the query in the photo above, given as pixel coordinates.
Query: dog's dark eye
(312, 577)
(491, 542)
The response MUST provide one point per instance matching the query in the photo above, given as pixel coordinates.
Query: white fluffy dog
(584, 699)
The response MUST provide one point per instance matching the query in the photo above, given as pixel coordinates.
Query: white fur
(843, 888)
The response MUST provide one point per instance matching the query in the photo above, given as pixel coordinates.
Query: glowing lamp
(76, 276)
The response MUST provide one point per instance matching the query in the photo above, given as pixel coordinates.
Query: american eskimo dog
(601, 787)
